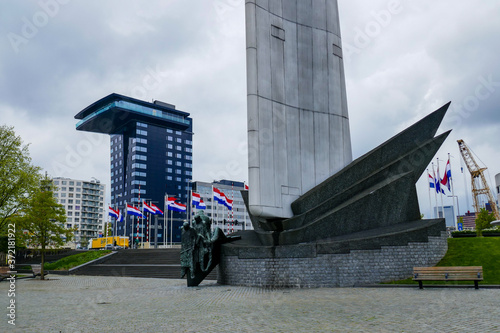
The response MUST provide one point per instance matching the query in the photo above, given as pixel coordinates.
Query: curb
(433, 286)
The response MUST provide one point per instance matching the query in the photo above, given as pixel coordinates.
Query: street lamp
(116, 220)
(188, 212)
(458, 209)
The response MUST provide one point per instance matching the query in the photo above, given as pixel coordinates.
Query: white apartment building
(84, 205)
(228, 220)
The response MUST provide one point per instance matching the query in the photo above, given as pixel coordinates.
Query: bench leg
(420, 285)
(476, 284)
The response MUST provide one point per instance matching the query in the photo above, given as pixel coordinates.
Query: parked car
(108, 247)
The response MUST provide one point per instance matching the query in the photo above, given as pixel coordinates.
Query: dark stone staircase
(154, 263)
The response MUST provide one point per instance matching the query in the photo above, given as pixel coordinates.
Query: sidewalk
(115, 304)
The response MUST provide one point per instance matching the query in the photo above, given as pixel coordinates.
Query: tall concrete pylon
(298, 124)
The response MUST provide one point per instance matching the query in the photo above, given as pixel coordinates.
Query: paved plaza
(116, 304)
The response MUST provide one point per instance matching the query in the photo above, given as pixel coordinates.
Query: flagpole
(245, 210)
(450, 179)
(156, 230)
(142, 228)
(150, 222)
(171, 226)
(132, 230)
(435, 190)
(232, 207)
(125, 227)
(142, 219)
(190, 206)
(165, 221)
(465, 185)
(430, 201)
(440, 189)
(212, 208)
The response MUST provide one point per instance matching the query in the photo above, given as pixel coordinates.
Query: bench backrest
(448, 273)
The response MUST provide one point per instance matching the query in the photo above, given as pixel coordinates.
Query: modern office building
(228, 220)
(151, 156)
(84, 205)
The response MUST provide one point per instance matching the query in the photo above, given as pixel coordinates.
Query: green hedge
(470, 233)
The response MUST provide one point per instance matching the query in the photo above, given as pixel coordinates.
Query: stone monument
(298, 125)
(321, 219)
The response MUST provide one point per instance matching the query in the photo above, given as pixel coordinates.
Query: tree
(483, 221)
(18, 176)
(41, 221)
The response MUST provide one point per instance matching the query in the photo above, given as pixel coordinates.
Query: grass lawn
(74, 260)
(470, 252)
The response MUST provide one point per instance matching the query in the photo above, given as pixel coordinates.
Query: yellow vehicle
(100, 243)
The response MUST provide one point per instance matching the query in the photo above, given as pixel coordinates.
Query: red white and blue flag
(120, 216)
(147, 209)
(218, 196)
(195, 198)
(432, 183)
(157, 210)
(228, 203)
(437, 183)
(113, 213)
(197, 201)
(177, 207)
(221, 198)
(201, 205)
(447, 176)
(169, 201)
(131, 210)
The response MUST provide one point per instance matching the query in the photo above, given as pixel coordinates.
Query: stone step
(144, 271)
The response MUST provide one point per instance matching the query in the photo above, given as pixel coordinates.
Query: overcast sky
(403, 60)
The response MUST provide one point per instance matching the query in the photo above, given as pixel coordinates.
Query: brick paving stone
(116, 304)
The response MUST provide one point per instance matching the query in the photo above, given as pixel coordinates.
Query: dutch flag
(147, 209)
(169, 201)
(196, 198)
(447, 176)
(218, 196)
(131, 210)
(177, 207)
(201, 205)
(437, 184)
(228, 203)
(157, 210)
(432, 184)
(113, 213)
(120, 216)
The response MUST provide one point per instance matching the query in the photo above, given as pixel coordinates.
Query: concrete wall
(359, 267)
(298, 126)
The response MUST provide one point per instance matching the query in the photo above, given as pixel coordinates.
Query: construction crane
(479, 183)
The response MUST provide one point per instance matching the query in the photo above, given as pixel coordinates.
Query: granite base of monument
(345, 263)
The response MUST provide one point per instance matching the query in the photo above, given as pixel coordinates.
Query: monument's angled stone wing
(298, 125)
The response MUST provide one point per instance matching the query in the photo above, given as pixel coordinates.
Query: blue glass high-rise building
(151, 156)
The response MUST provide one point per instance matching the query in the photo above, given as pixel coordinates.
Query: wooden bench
(4, 272)
(465, 273)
